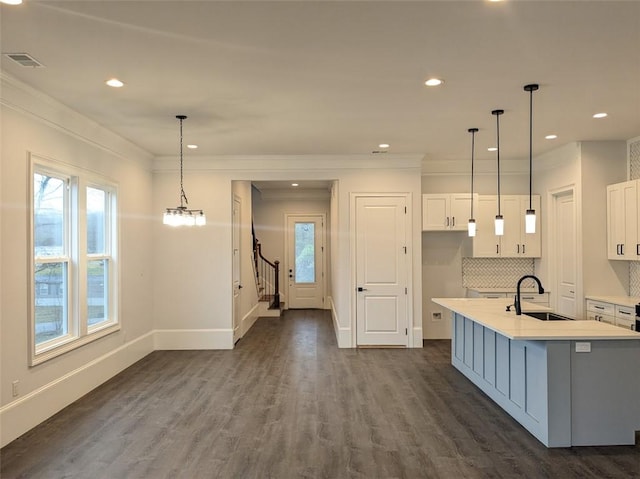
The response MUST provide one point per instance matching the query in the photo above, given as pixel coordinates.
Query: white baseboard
(249, 319)
(343, 335)
(21, 415)
(168, 339)
(417, 337)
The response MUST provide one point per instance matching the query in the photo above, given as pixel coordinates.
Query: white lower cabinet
(616, 314)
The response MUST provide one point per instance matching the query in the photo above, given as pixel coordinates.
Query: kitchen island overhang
(569, 383)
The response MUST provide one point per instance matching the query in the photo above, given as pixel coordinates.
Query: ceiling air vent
(24, 59)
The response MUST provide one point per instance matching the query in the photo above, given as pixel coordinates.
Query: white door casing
(236, 265)
(566, 252)
(381, 231)
(305, 261)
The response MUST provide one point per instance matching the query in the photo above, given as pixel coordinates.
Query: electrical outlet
(14, 388)
(583, 347)
(436, 316)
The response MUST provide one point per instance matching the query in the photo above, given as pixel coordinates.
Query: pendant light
(472, 221)
(530, 216)
(181, 215)
(499, 223)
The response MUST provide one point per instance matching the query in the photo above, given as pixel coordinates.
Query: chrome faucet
(516, 301)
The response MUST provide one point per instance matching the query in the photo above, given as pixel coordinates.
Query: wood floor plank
(286, 403)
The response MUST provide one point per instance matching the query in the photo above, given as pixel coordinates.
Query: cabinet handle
(497, 250)
(518, 251)
(622, 249)
(637, 249)
(624, 312)
(453, 221)
(447, 221)
(598, 307)
(523, 252)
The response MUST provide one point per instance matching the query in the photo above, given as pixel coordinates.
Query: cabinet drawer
(627, 323)
(605, 318)
(625, 312)
(535, 297)
(601, 308)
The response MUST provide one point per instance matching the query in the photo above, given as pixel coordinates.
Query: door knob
(361, 289)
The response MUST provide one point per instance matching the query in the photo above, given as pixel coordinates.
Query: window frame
(78, 332)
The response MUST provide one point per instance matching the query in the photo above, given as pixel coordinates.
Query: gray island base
(569, 383)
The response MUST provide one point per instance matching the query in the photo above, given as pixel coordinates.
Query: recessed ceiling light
(295, 184)
(600, 115)
(11, 2)
(492, 148)
(434, 82)
(551, 137)
(383, 145)
(114, 82)
(192, 147)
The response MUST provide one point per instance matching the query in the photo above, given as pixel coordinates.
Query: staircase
(267, 281)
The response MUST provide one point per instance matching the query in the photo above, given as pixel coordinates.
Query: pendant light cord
(473, 149)
(498, 155)
(183, 196)
(530, 146)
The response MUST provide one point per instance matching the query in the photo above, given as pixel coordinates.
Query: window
(74, 235)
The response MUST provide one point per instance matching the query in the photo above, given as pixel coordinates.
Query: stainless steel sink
(547, 316)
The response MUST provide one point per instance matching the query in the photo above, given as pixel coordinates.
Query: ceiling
(336, 78)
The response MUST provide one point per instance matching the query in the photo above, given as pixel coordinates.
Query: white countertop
(491, 314)
(629, 301)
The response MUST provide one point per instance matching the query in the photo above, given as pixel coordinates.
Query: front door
(305, 261)
(381, 271)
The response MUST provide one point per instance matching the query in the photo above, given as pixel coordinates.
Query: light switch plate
(583, 347)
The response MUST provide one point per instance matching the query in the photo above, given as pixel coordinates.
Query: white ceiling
(319, 77)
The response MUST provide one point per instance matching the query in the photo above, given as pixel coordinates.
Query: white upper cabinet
(515, 243)
(446, 212)
(622, 221)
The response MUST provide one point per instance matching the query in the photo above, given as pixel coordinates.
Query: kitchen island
(569, 383)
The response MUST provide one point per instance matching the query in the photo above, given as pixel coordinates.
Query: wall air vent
(24, 59)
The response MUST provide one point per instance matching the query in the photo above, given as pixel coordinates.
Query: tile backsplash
(494, 272)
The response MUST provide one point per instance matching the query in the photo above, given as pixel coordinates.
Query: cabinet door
(511, 242)
(486, 244)
(435, 212)
(516, 243)
(630, 221)
(460, 211)
(531, 242)
(622, 220)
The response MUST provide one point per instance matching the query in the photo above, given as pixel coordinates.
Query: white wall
(442, 252)
(603, 163)
(587, 167)
(192, 297)
(34, 123)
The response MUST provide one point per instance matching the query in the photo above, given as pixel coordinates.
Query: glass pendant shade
(499, 225)
(471, 227)
(530, 222)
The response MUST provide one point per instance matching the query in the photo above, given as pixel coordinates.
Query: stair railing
(268, 277)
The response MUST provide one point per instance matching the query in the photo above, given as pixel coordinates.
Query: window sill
(57, 350)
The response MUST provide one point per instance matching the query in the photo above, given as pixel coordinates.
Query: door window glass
(305, 247)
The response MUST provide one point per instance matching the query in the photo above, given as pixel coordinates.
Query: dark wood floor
(286, 403)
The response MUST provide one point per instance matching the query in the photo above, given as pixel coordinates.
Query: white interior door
(381, 271)
(237, 284)
(566, 252)
(305, 261)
